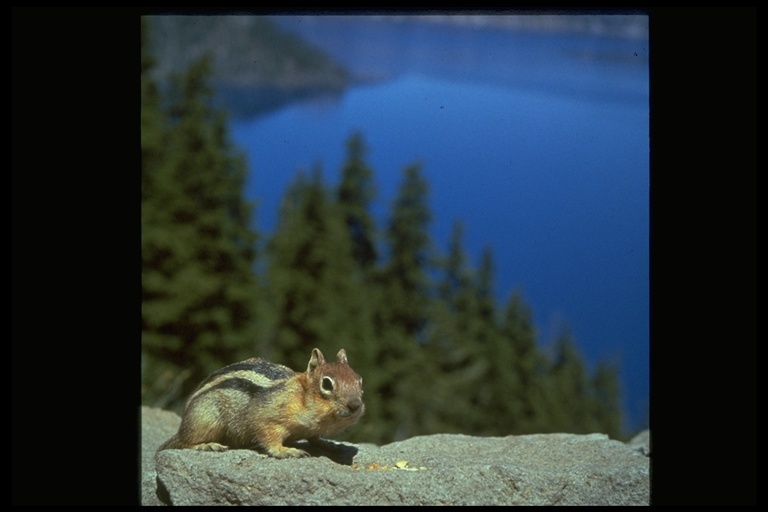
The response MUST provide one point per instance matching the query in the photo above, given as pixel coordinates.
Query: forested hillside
(437, 352)
(256, 65)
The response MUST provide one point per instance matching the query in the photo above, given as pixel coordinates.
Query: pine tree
(198, 283)
(568, 388)
(403, 307)
(457, 341)
(579, 402)
(607, 400)
(487, 337)
(484, 287)
(519, 367)
(405, 273)
(354, 195)
(318, 300)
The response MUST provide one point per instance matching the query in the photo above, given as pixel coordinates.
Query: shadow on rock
(337, 452)
(162, 492)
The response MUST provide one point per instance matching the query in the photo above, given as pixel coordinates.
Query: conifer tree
(568, 388)
(484, 287)
(486, 338)
(518, 369)
(456, 275)
(354, 194)
(198, 285)
(607, 400)
(405, 273)
(456, 344)
(586, 403)
(401, 315)
(318, 300)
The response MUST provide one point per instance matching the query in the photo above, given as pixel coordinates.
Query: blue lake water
(538, 145)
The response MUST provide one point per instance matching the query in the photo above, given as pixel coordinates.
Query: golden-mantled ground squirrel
(262, 405)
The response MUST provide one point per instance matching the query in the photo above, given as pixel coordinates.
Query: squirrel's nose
(354, 404)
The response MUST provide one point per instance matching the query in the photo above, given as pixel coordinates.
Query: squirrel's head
(340, 385)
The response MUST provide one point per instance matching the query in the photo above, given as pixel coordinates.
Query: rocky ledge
(442, 469)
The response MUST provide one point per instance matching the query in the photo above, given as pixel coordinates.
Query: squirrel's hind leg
(210, 447)
(285, 452)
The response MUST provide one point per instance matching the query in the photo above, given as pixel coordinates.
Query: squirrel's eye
(327, 384)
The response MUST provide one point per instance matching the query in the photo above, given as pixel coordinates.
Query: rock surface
(442, 469)
(157, 425)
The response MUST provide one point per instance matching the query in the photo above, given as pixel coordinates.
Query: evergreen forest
(438, 352)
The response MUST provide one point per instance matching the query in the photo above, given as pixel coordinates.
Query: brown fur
(261, 405)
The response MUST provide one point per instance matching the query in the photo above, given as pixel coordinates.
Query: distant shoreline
(627, 26)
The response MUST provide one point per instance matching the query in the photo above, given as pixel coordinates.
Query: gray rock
(443, 469)
(156, 426)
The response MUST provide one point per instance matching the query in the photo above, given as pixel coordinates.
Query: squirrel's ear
(342, 356)
(316, 360)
